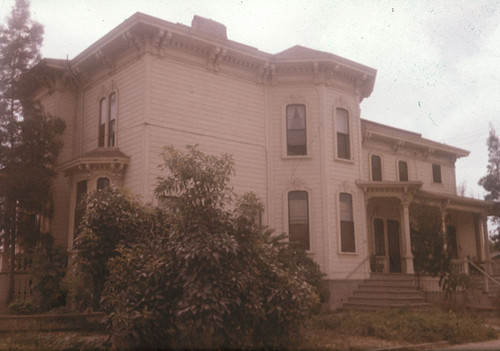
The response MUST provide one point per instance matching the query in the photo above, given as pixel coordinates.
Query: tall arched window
(107, 121)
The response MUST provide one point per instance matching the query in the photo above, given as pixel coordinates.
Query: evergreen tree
(28, 145)
(491, 181)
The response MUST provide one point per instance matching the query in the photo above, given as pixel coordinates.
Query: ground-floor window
(298, 218)
(346, 223)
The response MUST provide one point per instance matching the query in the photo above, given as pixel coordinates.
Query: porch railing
(487, 276)
(460, 266)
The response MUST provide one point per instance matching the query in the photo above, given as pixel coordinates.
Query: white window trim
(407, 168)
(286, 220)
(371, 167)
(106, 97)
(432, 174)
(335, 144)
(284, 132)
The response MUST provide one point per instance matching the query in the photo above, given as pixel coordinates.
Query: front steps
(382, 291)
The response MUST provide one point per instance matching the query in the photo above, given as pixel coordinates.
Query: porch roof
(453, 201)
(412, 191)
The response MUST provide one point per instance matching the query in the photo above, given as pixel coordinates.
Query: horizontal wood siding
(190, 105)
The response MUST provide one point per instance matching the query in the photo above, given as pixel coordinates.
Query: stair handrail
(357, 267)
(482, 271)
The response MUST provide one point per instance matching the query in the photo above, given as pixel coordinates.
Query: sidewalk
(484, 345)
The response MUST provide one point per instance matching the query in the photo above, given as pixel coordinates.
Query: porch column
(407, 255)
(443, 207)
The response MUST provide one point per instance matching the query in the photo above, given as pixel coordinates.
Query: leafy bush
(22, 307)
(112, 217)
(47, 273)
(201, 274)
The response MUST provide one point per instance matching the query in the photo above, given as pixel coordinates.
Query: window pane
(102, 183)
(112, 120)
(296, 130)
(345, 207)
(347, 236)
(346, 223)
(102, 122)
(403, 171)
(342, 127)
(342, 121)
(298, 218)
(378, 228)
(343, 146)
(436, 173)
(376, 168)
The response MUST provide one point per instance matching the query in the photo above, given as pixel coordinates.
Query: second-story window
(296, 138)
(107, 121)
(403, 171)
(436, 173)
(342, 126)
(376, 162)
(112, 120)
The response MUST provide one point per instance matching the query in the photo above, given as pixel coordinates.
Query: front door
(394, 249)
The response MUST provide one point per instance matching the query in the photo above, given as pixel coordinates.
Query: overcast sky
(437, 62)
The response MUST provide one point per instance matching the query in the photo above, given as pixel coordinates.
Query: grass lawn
(327, 331)
(396, 327)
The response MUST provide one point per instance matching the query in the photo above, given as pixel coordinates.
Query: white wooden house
(341, 186)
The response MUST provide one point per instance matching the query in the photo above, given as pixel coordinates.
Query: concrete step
(373, 306)
(387, 288)
(387, 295)
(386, 291)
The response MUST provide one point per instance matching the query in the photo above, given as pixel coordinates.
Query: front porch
(409, 228)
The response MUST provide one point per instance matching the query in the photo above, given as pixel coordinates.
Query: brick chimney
(208, 26)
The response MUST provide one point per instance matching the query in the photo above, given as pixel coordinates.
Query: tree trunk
(11, 246)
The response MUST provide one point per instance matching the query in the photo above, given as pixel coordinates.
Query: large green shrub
(112, 217)
(204, 274)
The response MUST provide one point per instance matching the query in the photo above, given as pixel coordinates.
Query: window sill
(345, 160)
(306, 157)
(348, 253)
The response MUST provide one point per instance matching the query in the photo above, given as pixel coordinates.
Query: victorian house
(341, 186)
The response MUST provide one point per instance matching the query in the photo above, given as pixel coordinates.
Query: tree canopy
(29, 142)
(491, 181)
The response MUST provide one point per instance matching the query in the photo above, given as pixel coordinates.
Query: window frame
(108, 113)
(307, 246)
(352, 226)
(437, 174)
(372, 174)
(288, 152)
(399, 170)
(336, 124)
